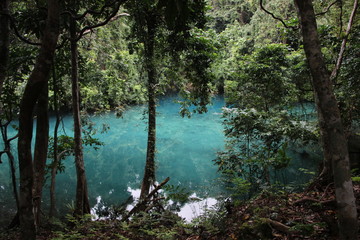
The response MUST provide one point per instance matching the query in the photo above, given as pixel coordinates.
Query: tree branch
(275, 17)
(327, 9)
(89, 28)
(89, 11)
(111, 20)
(14, 137)
(278, 225)
(313, 200)
(63, 154)
(335, 71)
(4, 133)
(24, 39)
(142, 203)
(62, 44)
(13, 26)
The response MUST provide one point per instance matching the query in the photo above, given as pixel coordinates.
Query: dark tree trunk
(4, 61)
(331, 128)
(4, 41)
(41, 148)
(13, 176)
(149, 174)
(33, 89)
(55, 162)
(11, 158)
(82, 205)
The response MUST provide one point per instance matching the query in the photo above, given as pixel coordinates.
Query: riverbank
(270, 215)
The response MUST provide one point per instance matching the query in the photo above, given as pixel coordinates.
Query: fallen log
(142, 204)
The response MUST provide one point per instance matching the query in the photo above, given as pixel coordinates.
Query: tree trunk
(4, 60)
(33, 89)
(55, 163)
(4, 42)
(13, 176)
(41, 148)
(82, 205)
(11, 158)
(331, 128)
(149, 173)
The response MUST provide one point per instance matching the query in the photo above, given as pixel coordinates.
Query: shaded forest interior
(288, 72)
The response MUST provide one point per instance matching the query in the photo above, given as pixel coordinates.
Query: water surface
(186, 148)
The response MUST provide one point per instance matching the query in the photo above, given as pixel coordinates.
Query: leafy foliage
(262, 120)
(66, 145)
(257, 142)
(176, 193)
(244, 52)
(110, 76)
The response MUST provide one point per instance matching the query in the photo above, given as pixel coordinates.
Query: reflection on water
(185, 150)
(187, 211)
(195, 209)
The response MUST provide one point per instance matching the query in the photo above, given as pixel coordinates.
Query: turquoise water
(186, 148)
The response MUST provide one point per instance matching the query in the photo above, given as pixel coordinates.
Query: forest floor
(270, 215)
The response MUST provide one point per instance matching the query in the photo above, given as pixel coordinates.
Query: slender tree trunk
(149, 174)
(338, 64)
(82, 205)
(4, 42)
(41, 148)
(55, 163)
(13, 176)
(331, 128)
(4, 61)
(11, 158)
(33, 89)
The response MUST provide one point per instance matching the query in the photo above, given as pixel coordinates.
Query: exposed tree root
(309, 199)
(278, 225)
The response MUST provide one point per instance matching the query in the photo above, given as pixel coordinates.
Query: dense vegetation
(286, 85)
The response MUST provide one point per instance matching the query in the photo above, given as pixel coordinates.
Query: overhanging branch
(89, 11)
(106, 21)
(327, 9)
(275, 17)
(16, 31)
